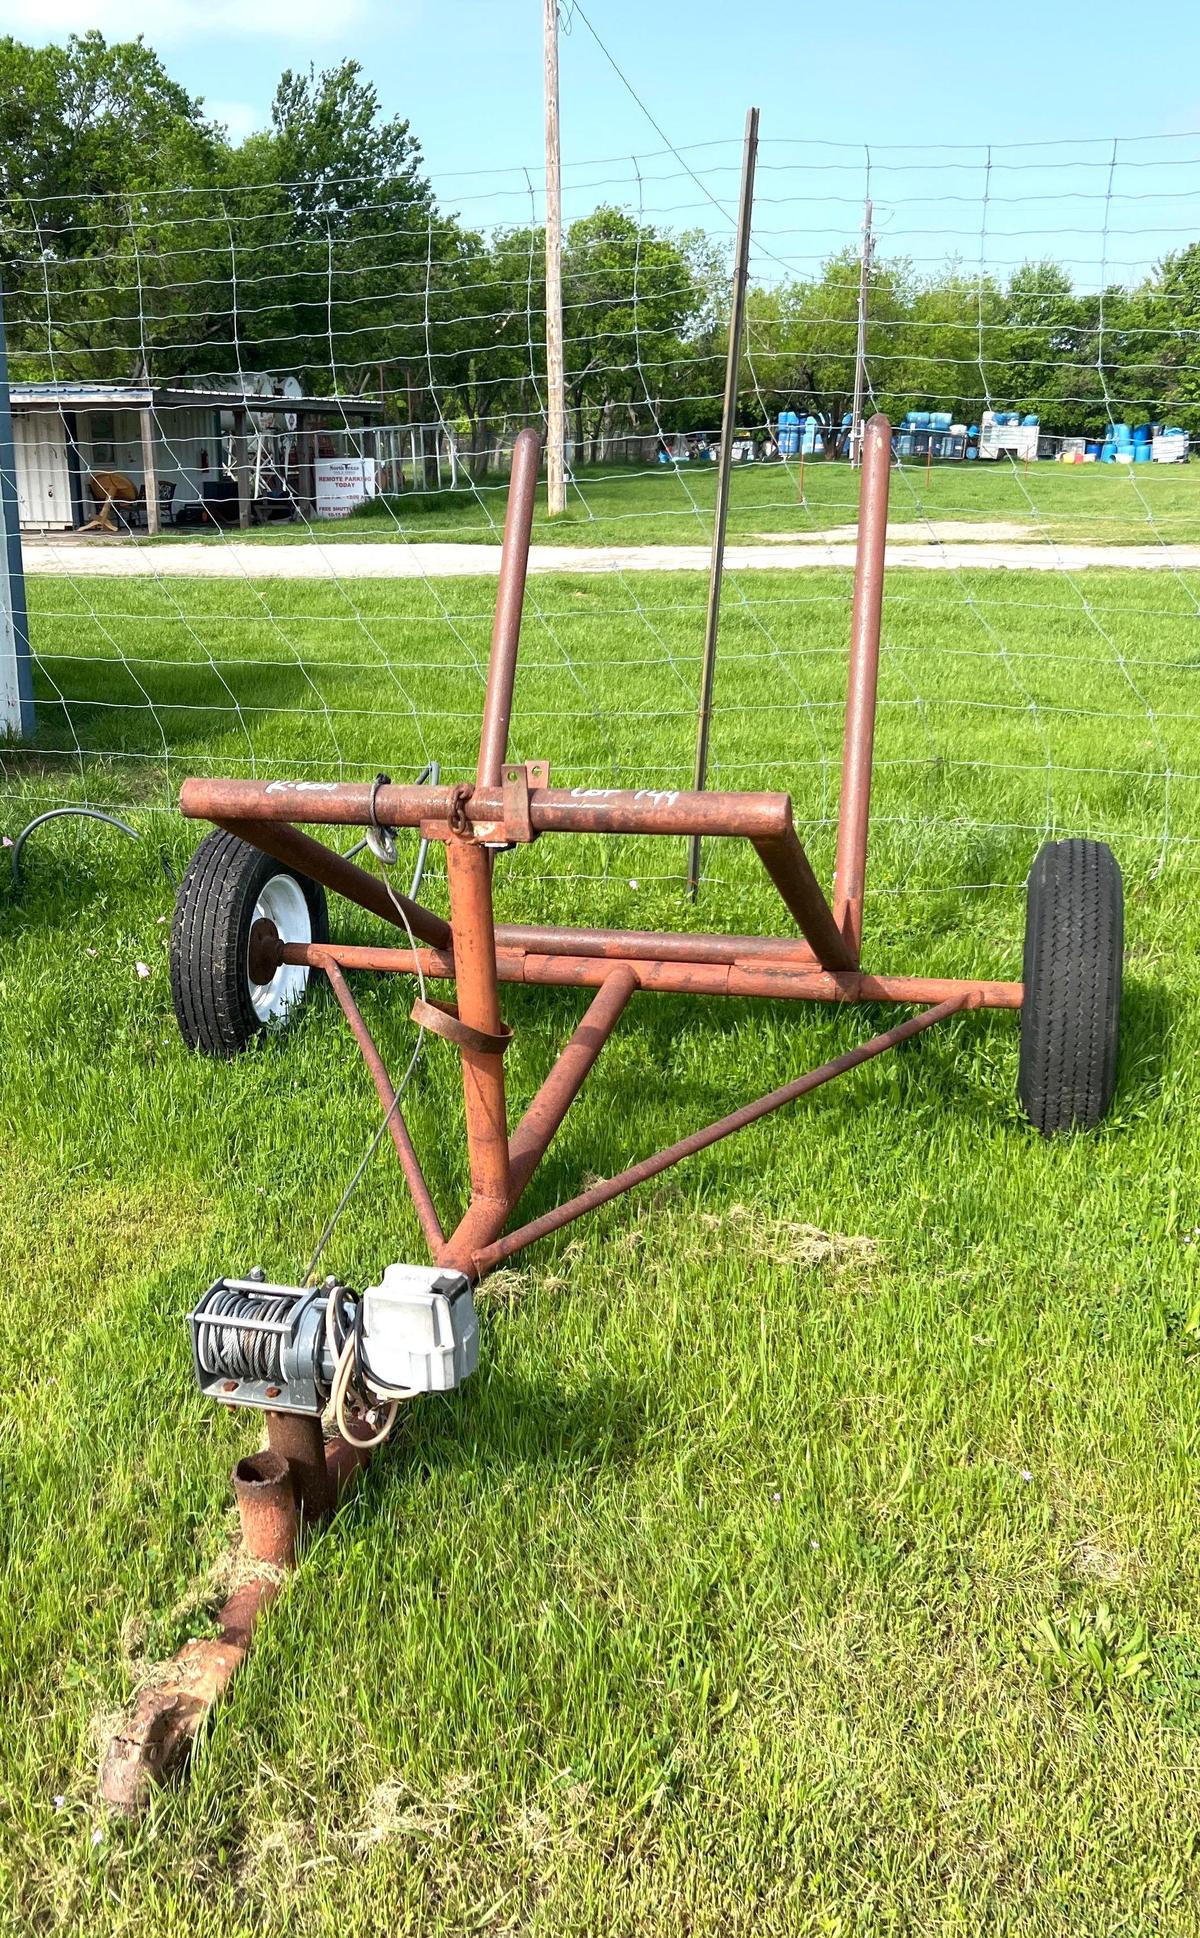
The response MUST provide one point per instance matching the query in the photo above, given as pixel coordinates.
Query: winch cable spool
(225, 1351)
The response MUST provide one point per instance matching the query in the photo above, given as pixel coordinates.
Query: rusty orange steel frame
(298, 1477)
(512, 803)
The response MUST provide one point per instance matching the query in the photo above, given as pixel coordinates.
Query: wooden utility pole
(737, 312)
(860, 352)
(556, 416)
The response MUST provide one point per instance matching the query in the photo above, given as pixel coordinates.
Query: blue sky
(911, 81)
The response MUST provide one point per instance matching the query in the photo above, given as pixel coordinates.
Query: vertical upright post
(469, 875)
(728, 426)
(241, 461)
(854, 804)
(149, 474)
(860, 351)
(510, 595)
(556, 415)
(16, 673)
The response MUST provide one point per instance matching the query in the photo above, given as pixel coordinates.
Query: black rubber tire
(210, 941)
(1074, 944)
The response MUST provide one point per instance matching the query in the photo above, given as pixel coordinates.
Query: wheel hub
(265, 949)
(280, 915)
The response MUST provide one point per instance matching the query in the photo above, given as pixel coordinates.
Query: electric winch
(300, 1349)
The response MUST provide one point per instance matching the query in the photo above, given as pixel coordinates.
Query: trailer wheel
(1074, 941)
(223, 998)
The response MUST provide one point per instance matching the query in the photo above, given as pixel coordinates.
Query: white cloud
(164, 21)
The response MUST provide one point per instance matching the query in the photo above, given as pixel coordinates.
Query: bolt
(273, 1392)
(258, 1274)
(229, 1386)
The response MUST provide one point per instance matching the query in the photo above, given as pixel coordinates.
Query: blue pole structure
(16, 669)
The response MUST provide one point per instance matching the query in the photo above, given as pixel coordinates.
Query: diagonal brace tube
(791, 871)
(531, 1139)
(501, 1248)
(287, 844)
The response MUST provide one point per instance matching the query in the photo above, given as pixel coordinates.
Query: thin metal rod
(531, 1138)
(650, 1167)
(410, 1164)
(741, 272)
(860, 348)
(788, 866)
(753, 977)
(297, 850)
(510, 597)
(854, 804)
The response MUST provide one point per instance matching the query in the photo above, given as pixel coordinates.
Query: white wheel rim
(281, 900)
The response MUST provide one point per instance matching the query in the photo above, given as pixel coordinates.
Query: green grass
(1093, 504)
(760, 1582)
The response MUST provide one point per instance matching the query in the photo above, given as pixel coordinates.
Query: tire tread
(209, 933)
(1074, 942)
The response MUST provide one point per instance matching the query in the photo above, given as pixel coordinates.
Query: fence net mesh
(271, 357)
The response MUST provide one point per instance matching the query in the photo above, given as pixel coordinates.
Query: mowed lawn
(815, 1549)
(1096, 504)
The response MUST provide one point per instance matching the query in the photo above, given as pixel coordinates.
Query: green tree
(95, 140)
(634, 298)
(801, 336)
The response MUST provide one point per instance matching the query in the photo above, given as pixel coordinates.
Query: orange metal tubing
(799, 982)
(475, 969)
(788, 866)
(501, 1248)
(510, 596)
(552, 810)
(530, 1140)
(631, 945)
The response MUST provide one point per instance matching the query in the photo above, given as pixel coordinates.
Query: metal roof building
(193, 454)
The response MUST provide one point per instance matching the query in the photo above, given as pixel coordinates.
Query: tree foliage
(136, 237)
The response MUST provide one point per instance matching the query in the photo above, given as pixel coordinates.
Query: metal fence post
(16, 670)
(721, 515)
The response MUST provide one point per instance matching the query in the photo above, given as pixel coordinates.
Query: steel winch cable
(247, 1353)
(401, 1087)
